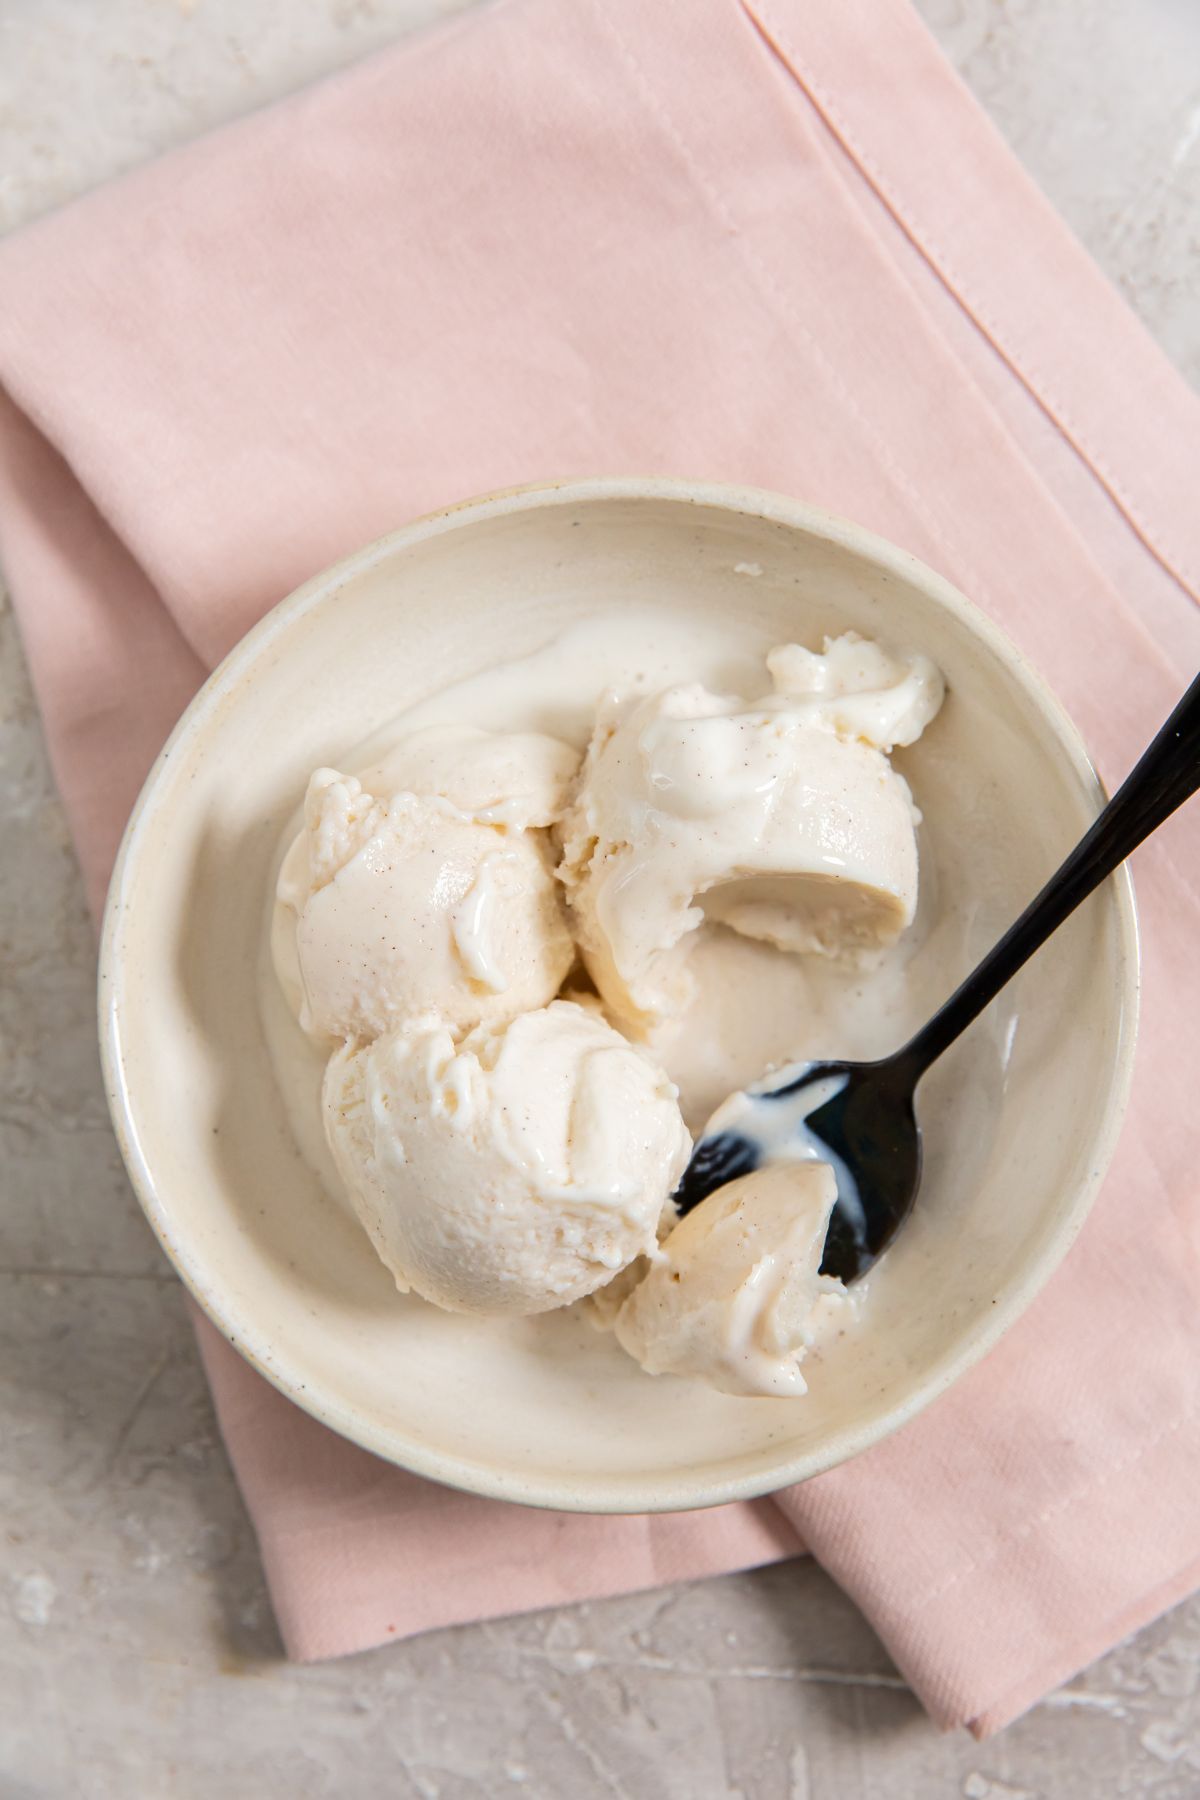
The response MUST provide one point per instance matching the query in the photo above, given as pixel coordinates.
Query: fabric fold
(356, 1551)
(850, 61)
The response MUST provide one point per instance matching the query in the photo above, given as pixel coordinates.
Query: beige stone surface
(137, 1651)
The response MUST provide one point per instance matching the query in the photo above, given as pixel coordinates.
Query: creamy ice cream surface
(857, 688)
(512, 1170)
(734, 1296)
(430, 884)
(519, 779)
(781, 818)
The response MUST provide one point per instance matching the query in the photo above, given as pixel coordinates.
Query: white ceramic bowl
(547, 1411)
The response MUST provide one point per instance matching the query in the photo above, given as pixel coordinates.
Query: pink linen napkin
(768, 242)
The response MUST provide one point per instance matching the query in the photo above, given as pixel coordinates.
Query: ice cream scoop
(859, 1118)
(393, 902)
(781, 818)
(733, 1298)
(511, 1171)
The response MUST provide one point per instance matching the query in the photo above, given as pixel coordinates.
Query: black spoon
(859, 1117)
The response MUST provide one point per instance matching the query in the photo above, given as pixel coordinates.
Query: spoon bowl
(857, 1117)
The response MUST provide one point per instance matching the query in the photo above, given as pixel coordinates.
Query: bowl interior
(548, 1410)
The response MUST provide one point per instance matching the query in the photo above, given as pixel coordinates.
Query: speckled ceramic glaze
(548, 1411)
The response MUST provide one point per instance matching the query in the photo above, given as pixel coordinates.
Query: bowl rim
(684, 1490)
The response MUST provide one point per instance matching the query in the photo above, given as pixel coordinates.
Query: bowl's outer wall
(548, 1411)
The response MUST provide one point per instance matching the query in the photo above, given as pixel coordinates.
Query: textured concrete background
(137, 1652)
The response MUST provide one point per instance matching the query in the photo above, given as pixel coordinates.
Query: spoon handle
(1167, 775)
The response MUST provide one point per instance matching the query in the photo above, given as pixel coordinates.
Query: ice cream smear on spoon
(510, 1151)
